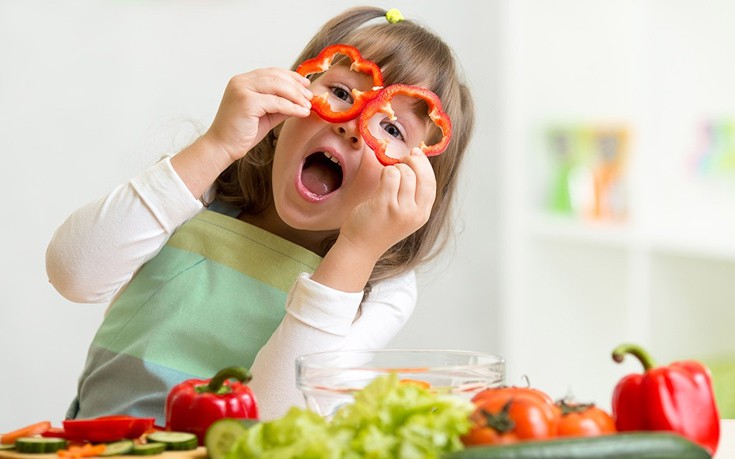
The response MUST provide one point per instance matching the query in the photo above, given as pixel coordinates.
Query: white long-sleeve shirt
(97, 250)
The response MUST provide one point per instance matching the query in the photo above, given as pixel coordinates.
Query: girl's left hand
(400, 206)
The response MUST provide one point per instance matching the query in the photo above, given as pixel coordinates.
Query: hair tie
(393, 16)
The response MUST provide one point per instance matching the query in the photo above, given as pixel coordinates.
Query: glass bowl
(330, 379)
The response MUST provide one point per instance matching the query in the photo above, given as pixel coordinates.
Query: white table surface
(726, 448)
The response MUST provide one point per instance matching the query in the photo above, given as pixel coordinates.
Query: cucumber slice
(148, 449)
(39, 445)
(222, 434)
(175, 441)
(117, 448)
(4, 447)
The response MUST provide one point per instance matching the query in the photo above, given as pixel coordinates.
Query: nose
(350, 132)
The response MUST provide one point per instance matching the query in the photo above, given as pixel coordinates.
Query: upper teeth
(331, 157)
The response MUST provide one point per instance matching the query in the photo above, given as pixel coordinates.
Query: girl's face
(322, 170)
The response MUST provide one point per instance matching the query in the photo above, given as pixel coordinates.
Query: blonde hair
(406, 53)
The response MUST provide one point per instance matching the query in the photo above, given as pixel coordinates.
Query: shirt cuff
(166, 195)
(322, 307)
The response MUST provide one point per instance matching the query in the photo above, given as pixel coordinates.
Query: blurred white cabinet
(664, 277)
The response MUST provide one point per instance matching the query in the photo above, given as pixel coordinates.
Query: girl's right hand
(253, 104)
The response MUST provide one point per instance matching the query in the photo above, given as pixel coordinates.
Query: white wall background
(93, 92)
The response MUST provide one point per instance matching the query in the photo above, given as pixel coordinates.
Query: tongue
(319, 179)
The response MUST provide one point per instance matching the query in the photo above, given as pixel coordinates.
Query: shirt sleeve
(319, 318)
(96, 251)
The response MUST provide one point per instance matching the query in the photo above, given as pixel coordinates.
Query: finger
(425, 190)
(390, 181)
(278, 82)
(300, 78)
(406, 194)
(273, 104)
(285, 74)
(301, 83)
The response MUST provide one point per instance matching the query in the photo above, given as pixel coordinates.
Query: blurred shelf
(625, 237)
(577, 230)
(713, 248)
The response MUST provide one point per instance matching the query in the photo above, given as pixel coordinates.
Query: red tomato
(512, 390)
(508, 415)
(488, 436)
(583, 420)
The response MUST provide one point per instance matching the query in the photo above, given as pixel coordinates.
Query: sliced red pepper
(55, 432)
(106, 429)
(322, 62)
(677, 397)
(382, 104)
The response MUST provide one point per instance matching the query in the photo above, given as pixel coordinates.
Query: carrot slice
(417, 382)
(27, 431)
(78, 452)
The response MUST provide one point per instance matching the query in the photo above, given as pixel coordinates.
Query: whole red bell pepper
(677, 398)
(193, 405)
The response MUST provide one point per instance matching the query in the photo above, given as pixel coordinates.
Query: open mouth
(321, 174)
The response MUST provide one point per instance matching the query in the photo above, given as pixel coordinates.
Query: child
(248, 248)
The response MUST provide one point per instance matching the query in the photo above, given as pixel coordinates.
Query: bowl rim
(493, 359)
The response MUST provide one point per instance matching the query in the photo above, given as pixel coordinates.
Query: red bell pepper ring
(382, 104)
(193, 405)
(106, 428)
(322, 62)
(677, 398)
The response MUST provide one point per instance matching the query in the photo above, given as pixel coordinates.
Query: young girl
(273, 235)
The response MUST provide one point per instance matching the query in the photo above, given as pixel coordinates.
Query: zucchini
(175, 441)
(148, 449)
(39, 445)
(222, 434)
(117, 448)
(633, 445)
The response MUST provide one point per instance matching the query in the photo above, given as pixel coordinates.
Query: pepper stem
(644, 357)
(241, 374)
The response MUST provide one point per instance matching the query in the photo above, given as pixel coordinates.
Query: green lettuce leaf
(388, 419)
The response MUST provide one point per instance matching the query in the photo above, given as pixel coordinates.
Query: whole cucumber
(632, 445)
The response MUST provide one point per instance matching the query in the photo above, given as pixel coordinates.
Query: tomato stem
(567, 407)
(501, 421)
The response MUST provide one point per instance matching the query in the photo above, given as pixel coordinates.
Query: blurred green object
(563, 152)
(586, 169)
(723, 382)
